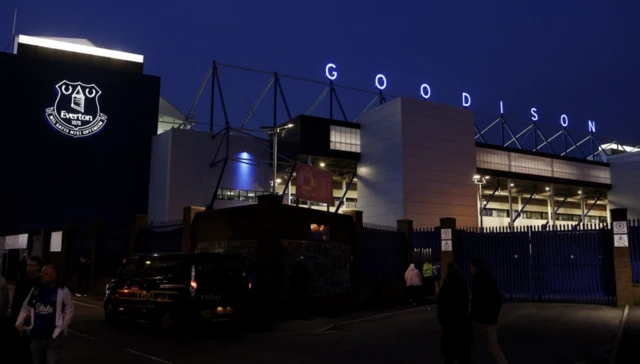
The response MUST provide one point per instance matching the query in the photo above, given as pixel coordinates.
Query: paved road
(530, 333)
(628, 352)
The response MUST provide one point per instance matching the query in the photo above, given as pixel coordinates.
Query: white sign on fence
(445, 234)
(447, 246)
(621, 241)
(620, 227)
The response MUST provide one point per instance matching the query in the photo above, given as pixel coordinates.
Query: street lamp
(479, 180)
(274, 132)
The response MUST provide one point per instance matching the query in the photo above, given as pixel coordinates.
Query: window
(56, 241)
(346, 139)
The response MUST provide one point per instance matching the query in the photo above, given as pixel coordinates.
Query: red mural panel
(314, 184)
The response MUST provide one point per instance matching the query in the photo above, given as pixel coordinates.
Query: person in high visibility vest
(427, 272)
(427, 269)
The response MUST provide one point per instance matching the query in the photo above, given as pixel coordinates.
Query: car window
(162, 266)
(152, 267)
(216, 269)
(128, 269)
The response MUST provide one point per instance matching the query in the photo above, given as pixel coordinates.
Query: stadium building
(91, 139)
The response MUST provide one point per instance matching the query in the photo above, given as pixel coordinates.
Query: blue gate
(634, 245)
(573, 266)
(566, 265)
(385, 253)
(505, 253)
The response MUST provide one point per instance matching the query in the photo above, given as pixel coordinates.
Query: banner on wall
(314, 184)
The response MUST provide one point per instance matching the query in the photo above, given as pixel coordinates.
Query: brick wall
(624, 280)
(635, 292)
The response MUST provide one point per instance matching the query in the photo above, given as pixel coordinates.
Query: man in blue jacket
(50, 309)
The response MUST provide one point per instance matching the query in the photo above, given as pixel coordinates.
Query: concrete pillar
(480, 217)
(510, 203)
(552, 216)
(519, 201)
(622, 258)
(188, 213)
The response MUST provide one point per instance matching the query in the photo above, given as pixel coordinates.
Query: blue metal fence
(505, 253)
(567, 264)
(384, 252)
(634, 245)
(426, 245)
(573, 266)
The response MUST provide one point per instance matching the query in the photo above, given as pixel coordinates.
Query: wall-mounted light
(479, 180)
(322, 164)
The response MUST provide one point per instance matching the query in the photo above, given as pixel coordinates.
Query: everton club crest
(77, 110)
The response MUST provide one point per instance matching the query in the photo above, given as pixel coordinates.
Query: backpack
(436, 270)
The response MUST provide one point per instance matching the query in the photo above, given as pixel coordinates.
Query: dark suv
(173, 289)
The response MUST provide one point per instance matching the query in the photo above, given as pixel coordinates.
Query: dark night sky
(575, 57)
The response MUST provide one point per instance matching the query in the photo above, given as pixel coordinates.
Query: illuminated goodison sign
(425, 92)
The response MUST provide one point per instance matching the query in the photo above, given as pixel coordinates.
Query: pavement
(529, 333)
(628, 351)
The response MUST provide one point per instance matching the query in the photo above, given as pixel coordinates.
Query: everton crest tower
(77, 124)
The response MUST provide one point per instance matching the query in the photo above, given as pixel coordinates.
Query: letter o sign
(425, 91)
(564, 120)
(381, 82)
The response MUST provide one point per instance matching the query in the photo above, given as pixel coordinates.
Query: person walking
(84, 275)
(486, 303)
(453, 316)
(22, 290)
(4, 297)
(5, 326)
(49, 308)
(413, 280)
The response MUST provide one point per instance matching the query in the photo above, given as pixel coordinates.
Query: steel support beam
(490, 197)
(524, 205)
(344, 194)
(293, 170)
(586, 213)
(510, 203)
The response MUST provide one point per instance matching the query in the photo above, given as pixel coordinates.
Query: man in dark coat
(84, 275)
(486, 303)
(453, 316)
(22, 290)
